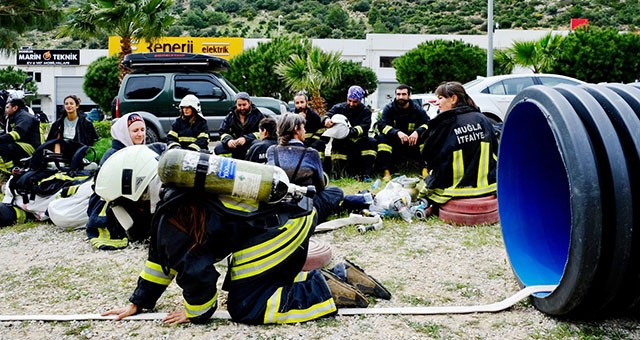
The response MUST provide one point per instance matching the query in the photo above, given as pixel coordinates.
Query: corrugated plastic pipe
(568, 198)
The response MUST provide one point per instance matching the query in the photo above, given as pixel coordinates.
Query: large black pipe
(566, 196)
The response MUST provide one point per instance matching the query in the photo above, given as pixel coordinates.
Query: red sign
(577, 22)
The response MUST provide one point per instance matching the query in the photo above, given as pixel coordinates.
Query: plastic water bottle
(400, 205)
(376, 184)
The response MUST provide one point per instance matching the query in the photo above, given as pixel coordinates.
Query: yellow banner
(225, 48)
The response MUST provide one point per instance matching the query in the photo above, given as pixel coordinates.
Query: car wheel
(152, 135)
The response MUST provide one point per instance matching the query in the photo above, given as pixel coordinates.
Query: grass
(431, 329)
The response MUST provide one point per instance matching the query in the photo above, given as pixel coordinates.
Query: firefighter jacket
(359, 117)
(85, 132)
(187, 135)
(461, 152)
(395, 118)
(232, 128)
(313, 125)
(23, 129)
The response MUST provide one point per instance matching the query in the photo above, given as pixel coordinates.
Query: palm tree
(19, 16)
(538, 55)
(127, 19)
(312, 73)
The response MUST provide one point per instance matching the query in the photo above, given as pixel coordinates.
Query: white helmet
(340, 128)
(192, 101)
(127, 173)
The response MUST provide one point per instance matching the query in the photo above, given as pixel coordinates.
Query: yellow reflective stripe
(28, 148)
(15, 135)
(172, 145)
(115, 243)
(173, 133)
(495, 157)
(411, 126)
(301, 277)
(203, 135)
(184, 139)
(63, 177)
(225, 135)
(192, 311)
(359, 129)
(21, 216)
(194, 147)
(386, 129)
(262, 257)
(316, 311)
(153, 272)
(384, 148)
(483, 165)
(369, 153)
(338, 156)
(424, 126)
(458, 167)
(232, 203)
(308, 135)
(421, 148)
(103, 212)
(443, 195)
(256, 135)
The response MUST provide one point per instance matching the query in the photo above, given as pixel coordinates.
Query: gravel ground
(45, 270)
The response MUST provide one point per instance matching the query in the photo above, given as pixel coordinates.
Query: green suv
(158, 82)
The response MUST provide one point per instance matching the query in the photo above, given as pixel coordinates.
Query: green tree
(537, 55)
(312, 73)
(598, 55)
(254, 69)
(101, 81)
(352, 74)
(337, 17)
(12, 78)
(127, 19)
(433, 62)
(20, 16)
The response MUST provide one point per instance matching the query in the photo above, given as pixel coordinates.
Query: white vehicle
(494, 94)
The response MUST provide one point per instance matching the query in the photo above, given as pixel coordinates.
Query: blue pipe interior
(533, 197)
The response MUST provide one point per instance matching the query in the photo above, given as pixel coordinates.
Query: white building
(376, 52)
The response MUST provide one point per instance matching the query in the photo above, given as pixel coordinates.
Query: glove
(353, 132)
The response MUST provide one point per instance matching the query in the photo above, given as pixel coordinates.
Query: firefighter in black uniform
(190, 129)
(313, 126)
(461, 148)
(355, 154)
(22, 135)
(401, 132)
(239, 129)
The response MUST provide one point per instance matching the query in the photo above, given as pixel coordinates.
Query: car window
(552, 81)
(497, 88)
(143, 87)
(201, 87)
(514, 85)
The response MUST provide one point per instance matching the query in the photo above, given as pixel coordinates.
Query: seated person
(303, 165)
(239, 128)
(22, 135)
(72, 125)
(190, 129)
(258, 151)
(460, 149)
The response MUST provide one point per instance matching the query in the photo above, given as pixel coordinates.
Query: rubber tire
(152, 135)
(463, 219)
(476, 205)
(319, 255)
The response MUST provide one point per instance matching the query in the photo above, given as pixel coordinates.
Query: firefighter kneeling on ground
(194, 229)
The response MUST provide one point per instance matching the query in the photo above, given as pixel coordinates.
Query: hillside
(355, 18)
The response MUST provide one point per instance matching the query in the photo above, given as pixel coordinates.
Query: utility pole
(490, 38)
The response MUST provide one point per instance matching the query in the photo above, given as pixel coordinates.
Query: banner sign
(48, 57)
(225, 48)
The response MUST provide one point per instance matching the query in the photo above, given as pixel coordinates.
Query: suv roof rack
(164, 60)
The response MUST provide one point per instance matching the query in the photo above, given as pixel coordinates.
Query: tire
(319, 255)
(476, 205)
(457, 218)
(152, 135)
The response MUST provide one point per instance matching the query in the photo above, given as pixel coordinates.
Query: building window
(37, 76)
(387, 62)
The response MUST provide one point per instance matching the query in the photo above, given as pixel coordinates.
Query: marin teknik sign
(48, 57)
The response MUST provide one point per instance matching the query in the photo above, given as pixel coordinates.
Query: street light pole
(490, 38)
(279, 17)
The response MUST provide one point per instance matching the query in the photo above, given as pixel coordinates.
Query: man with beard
(22, 135)
(402, 131)
(313, 124)
(356, 154)
(239, 129)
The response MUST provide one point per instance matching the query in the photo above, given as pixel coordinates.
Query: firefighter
(21, 137)
(460, 150)
(356, 154)
(401, 132)
(190, 129)
(239, 129)
(313, 124)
